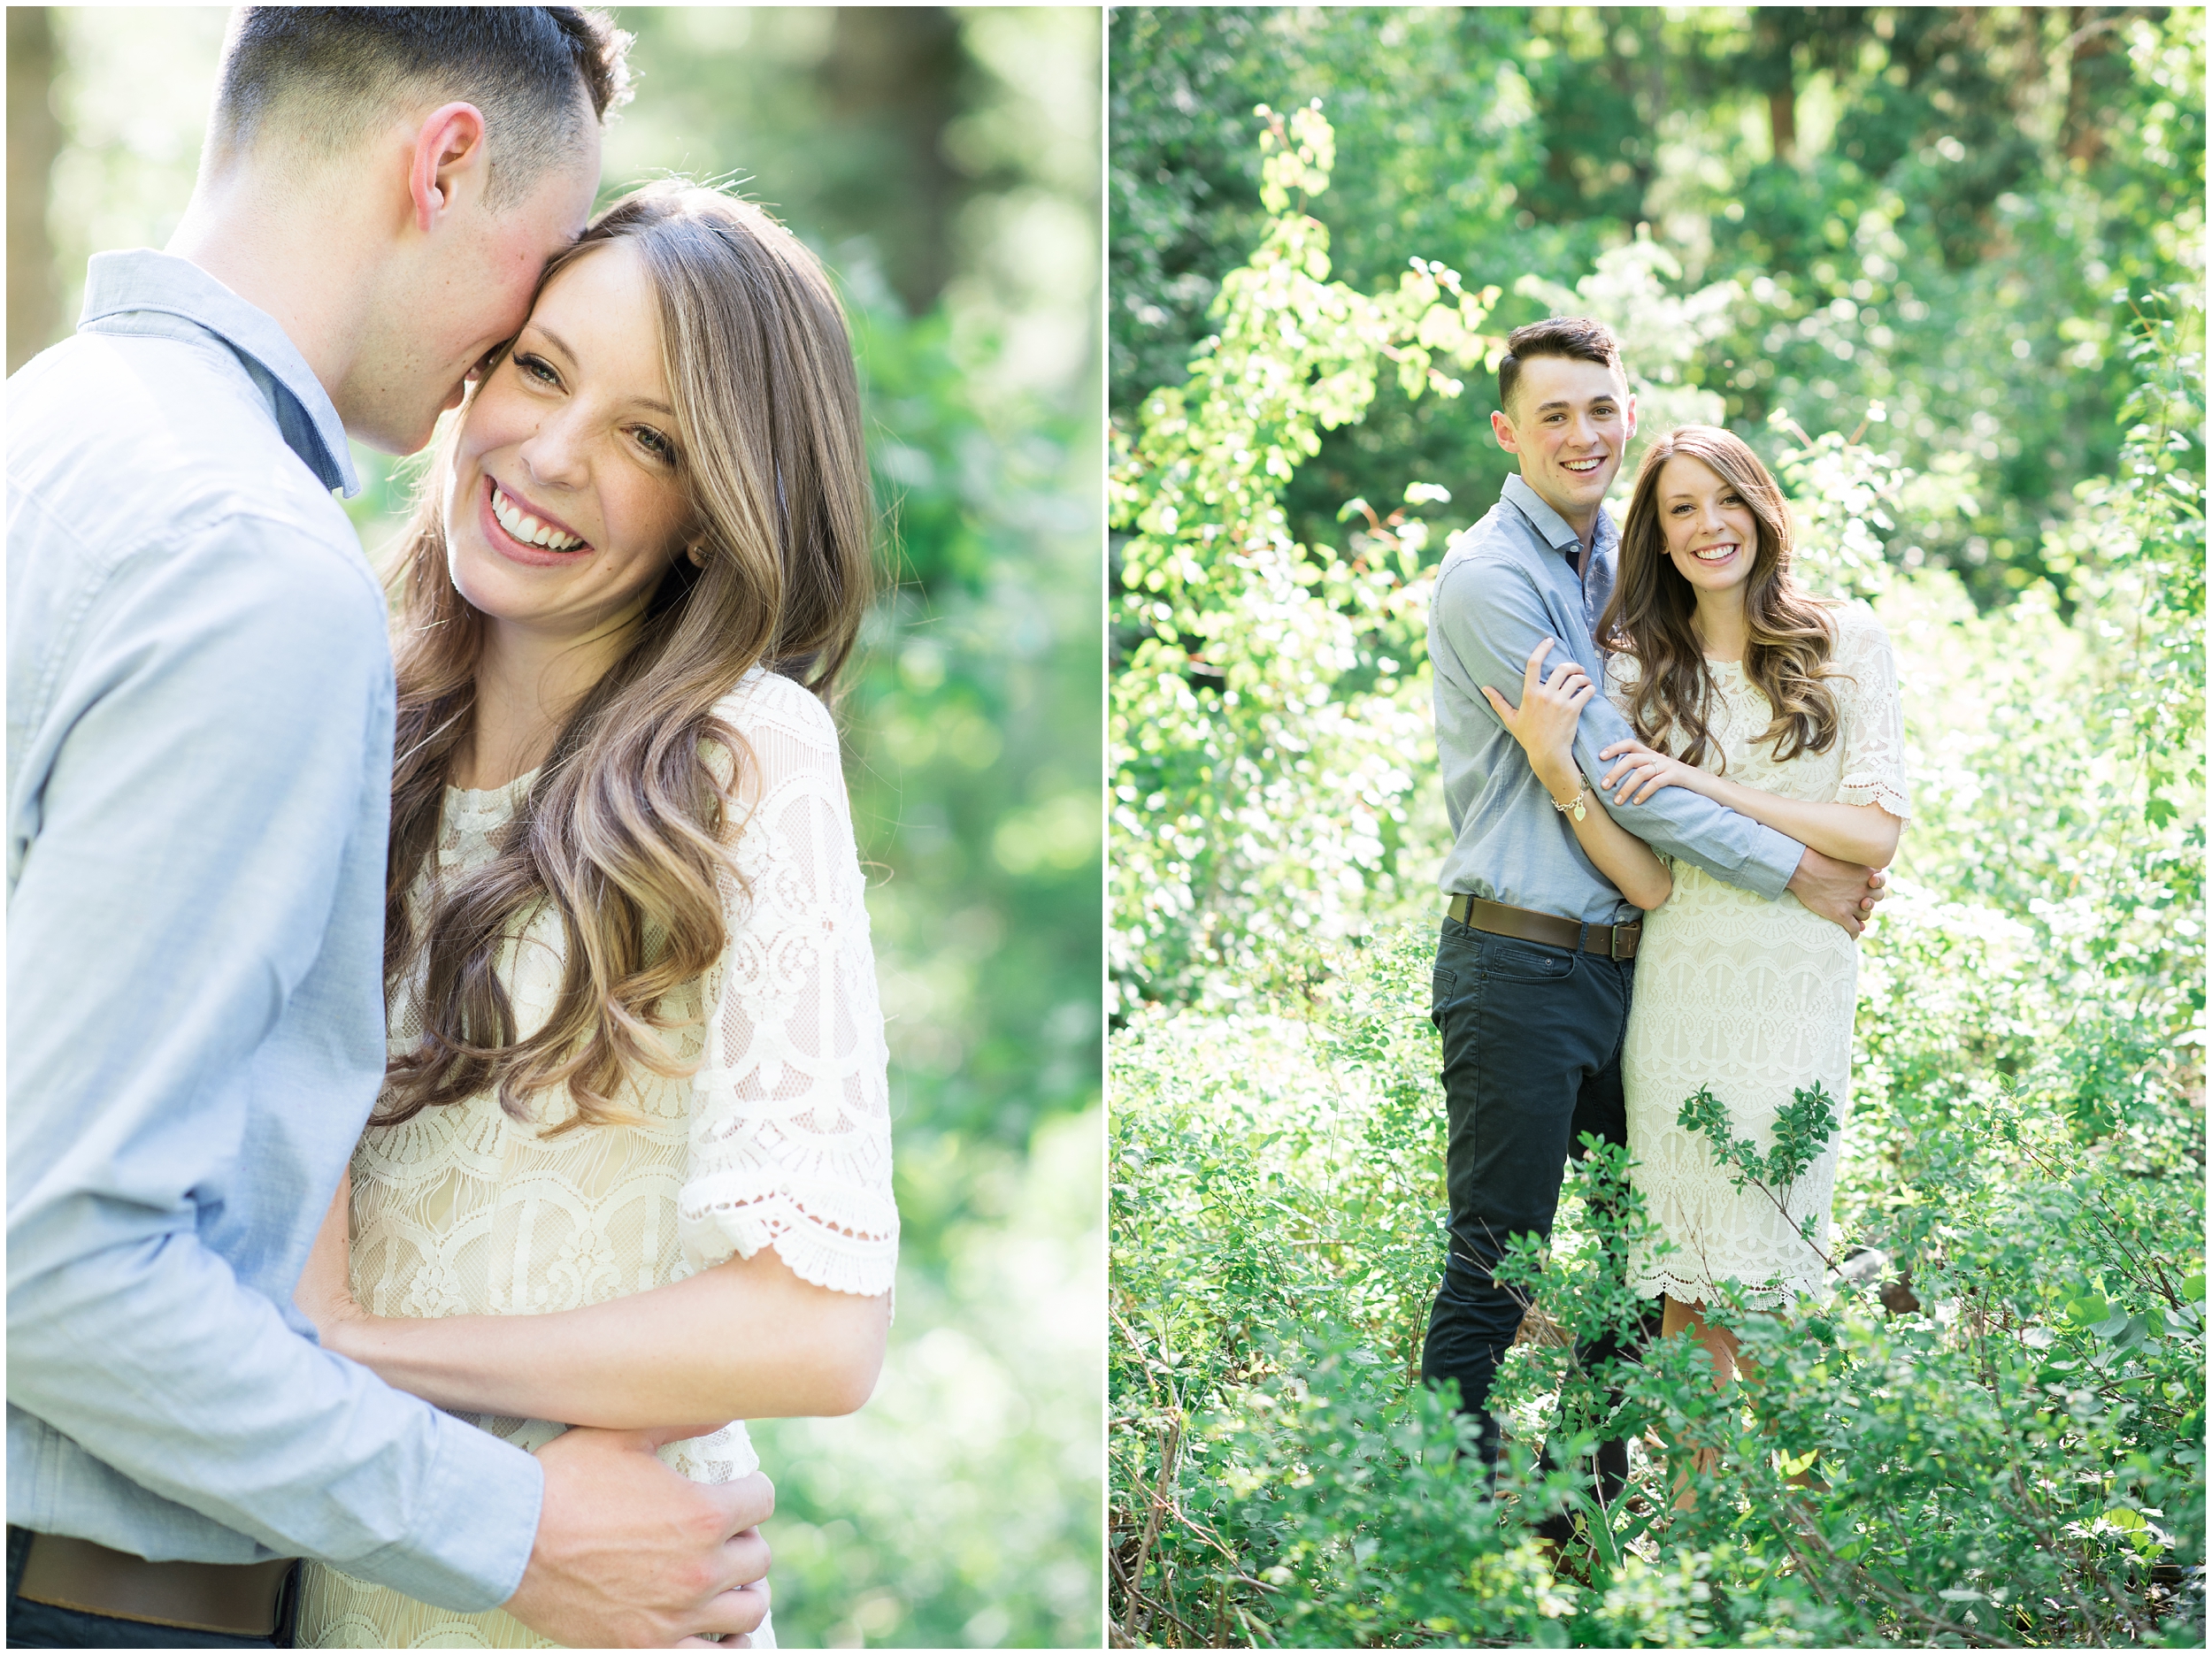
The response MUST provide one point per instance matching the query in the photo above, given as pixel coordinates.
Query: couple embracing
(1672, 776)
(420, 1046)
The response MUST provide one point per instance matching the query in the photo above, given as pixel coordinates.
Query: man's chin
(1589, 487)
(400, 439)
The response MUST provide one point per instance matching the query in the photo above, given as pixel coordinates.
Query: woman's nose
(554, 452)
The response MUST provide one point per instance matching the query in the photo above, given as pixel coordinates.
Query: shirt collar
(117, 283)
(1555, 529)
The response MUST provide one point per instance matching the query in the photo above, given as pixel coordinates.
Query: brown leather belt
(1614, 942)
(240, 1600)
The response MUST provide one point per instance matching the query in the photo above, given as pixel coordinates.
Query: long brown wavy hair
(1650, 616)
(627, 824)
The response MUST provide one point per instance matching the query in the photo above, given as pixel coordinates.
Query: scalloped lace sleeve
(791, 1126)
(1873, 715)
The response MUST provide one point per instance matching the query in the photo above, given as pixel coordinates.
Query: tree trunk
(1771, 46)
(898, 69)
(34, 140)
(2092, 39)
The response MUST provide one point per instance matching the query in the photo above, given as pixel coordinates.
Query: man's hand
(1844, 892)
(630, 1555)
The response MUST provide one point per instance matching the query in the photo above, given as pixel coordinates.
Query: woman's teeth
(526, 528)
(1719, 553)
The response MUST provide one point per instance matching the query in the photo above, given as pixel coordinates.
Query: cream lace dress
(781, 1138)
(1751, 998)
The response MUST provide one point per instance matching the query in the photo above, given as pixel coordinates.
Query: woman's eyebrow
(562, 345)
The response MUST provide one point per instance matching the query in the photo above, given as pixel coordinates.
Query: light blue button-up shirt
(199, 772)
(1505, 587)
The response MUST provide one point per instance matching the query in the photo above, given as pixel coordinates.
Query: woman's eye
(537, 368)
(651, 440)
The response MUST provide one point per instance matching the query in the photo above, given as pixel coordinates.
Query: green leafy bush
(1990, 1432)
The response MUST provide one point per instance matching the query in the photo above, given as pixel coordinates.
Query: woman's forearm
(1861, 833)
(745, 1339)
(1629, 863)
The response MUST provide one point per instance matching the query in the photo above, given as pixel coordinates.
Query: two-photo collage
(1062, 828)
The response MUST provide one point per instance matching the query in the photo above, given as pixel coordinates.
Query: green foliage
(1992, 1432)
(1959, 191)
(960, 1507)
(1239, 634)
(1802, 1128)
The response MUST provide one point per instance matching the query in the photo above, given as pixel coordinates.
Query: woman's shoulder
(768, 703)
(1854, 625)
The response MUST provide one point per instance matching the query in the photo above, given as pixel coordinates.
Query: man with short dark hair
(318, 80)
(1536, 960)
(200, 714)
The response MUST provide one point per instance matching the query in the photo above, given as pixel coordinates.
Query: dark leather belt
(1614, 942)
(239, 1599)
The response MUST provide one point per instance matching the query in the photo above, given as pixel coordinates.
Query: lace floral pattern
(781, 1138)
(1753, 999)
(790, 1146)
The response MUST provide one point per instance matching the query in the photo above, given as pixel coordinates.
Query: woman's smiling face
(566, 501)
(1712, 535)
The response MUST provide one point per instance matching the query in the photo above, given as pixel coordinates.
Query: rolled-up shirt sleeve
(198, 772)
(1493, 621)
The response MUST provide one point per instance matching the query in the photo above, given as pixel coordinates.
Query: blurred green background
(1926, 211)
(945, 162)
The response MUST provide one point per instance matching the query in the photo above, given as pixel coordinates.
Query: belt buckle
(1613, 946)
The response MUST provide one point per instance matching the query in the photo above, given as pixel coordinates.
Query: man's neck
(279, 247)
(1582, 520)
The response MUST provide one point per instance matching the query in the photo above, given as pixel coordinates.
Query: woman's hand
(325, 1289)
(1643, 771)
(1543, 723)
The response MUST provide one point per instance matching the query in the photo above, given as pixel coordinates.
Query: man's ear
(449, 156)
(1628, 413)
(1501, 428)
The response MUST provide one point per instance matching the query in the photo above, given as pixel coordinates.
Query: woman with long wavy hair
(631, 1168)
(1744, 687)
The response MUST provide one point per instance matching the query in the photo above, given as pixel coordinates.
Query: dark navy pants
(1532, 1060)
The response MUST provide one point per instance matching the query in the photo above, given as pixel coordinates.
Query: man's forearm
(156, 1359)
(193, 931)
(1493, 625)
(1733, 847)
(1866, 834)
(745, 1339)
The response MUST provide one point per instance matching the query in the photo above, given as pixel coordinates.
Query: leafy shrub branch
(1802, 1128)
